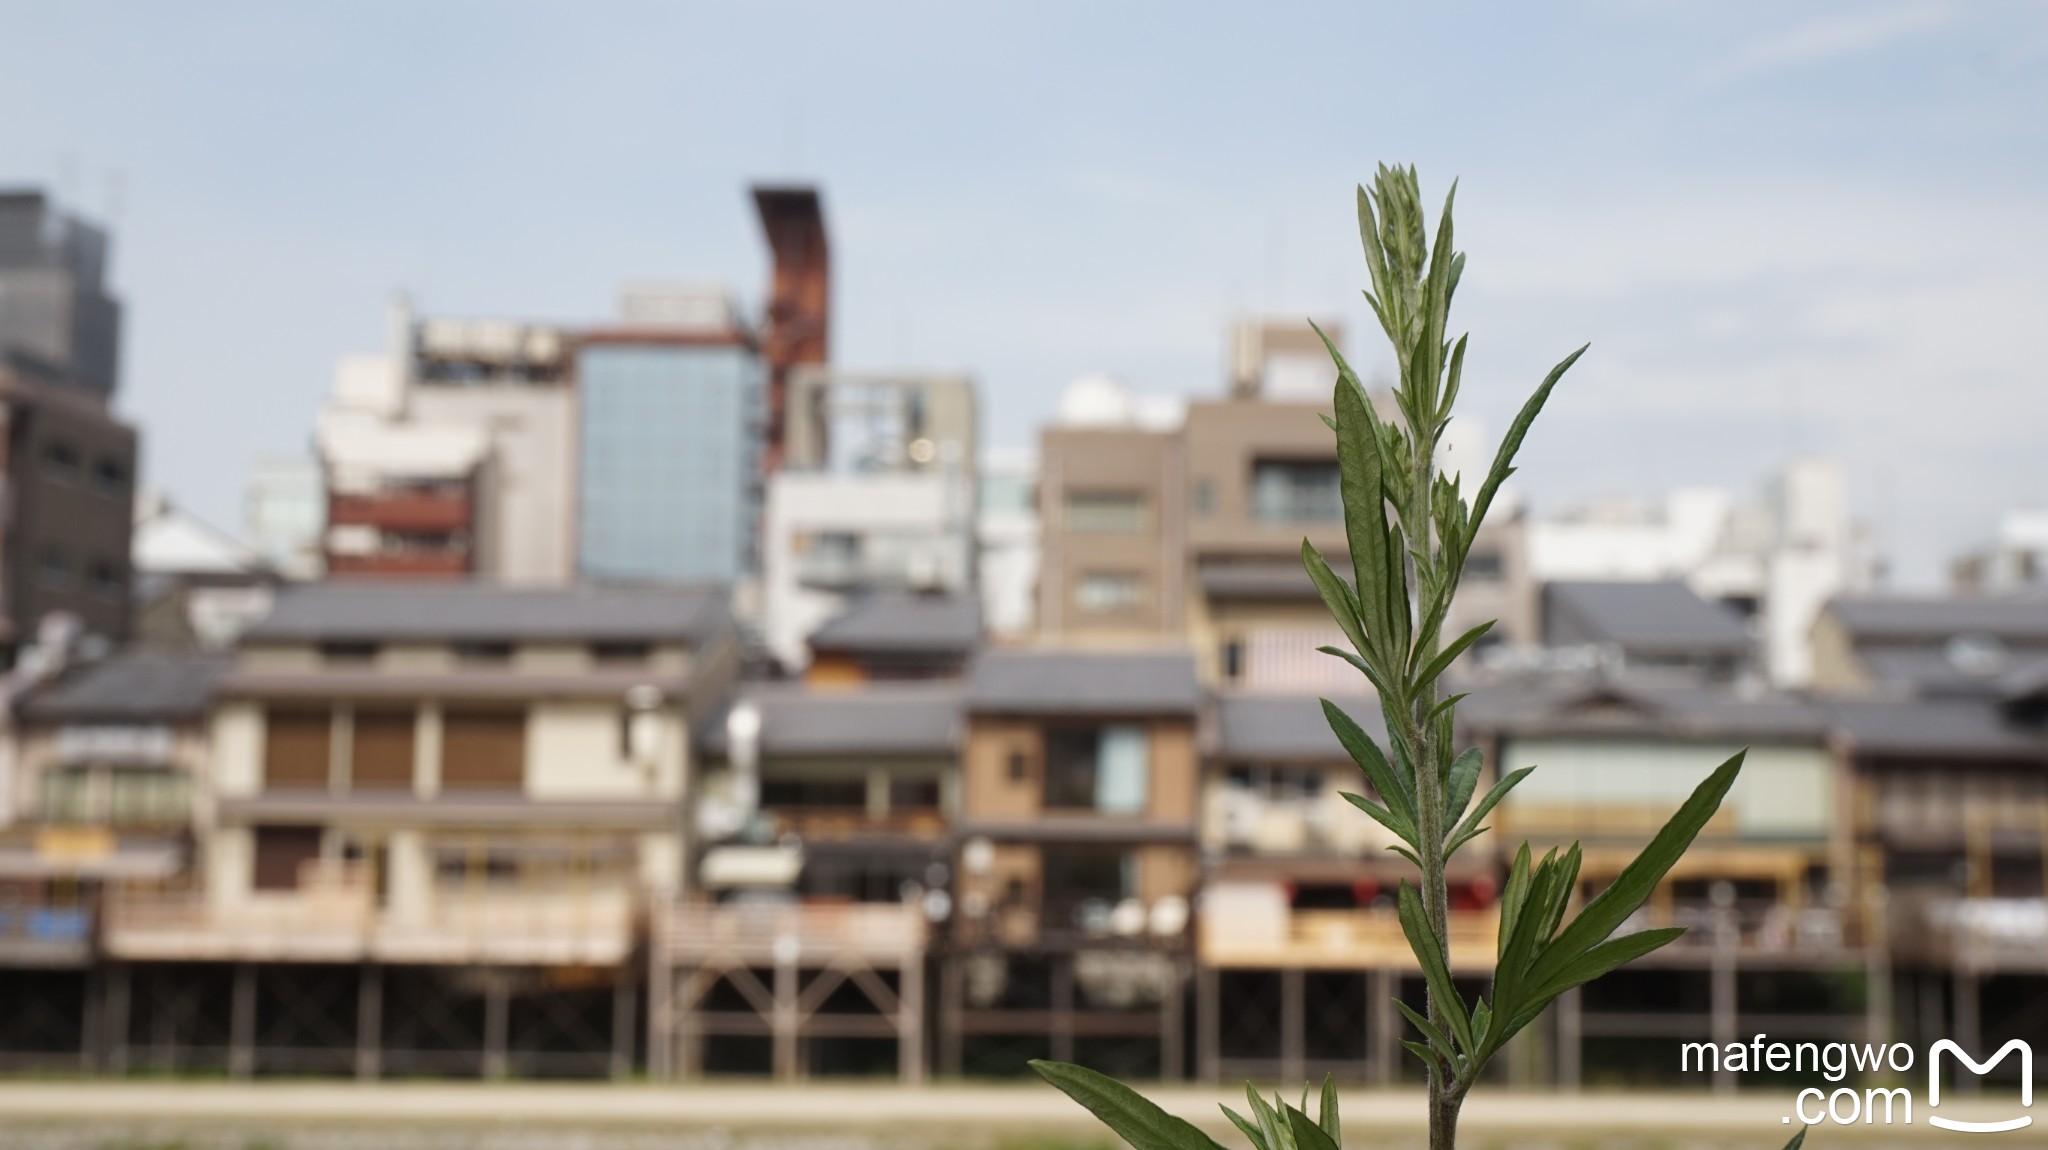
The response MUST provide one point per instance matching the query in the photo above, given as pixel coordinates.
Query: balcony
(335, 916)
(1361, 939)
(845, 825)
(450, 564)
(1974, 935)
(411, 511)
(815, 934)
(43, 936)
(1756, 930)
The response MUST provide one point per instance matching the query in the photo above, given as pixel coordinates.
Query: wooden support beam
(1292, 1007)
(1173, 1058)
(120, 982)
(1571, 1039)
(1385, 1036)
(370, 1022)
(951, 1004)
(624, 1005)
(1061, 967)
(1208, 1027)
(242, 1023)
(497, 1023)
(910, 1021)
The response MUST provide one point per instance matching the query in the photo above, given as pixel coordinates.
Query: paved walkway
(864, 1107)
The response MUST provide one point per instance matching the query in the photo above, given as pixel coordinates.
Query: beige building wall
(1084, 550)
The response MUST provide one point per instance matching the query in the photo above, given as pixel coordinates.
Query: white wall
(532, 483)
(1783, 791)
(930, 511)
(237, 750)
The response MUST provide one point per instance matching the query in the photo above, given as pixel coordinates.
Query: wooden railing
(1340, 939)
(806, 931)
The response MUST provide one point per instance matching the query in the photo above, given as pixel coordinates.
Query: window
(296, 748)
(1020, 767)
(483, 750)
(281, 853)
(1102, 769)
(1105, 512)
(1083, 884)
(1204, 497)
(110, 476)
(617, 654)
(348, 652)
(1296, 491)
(149, 796)
(62, 459)
(1483, 565)
(66, 796)
(913, 794)
(1233, 660)
(483, 654)
(56, 567)
(1277, 784)
(381, 751)
(105, 578)
(1106, 592)
(815, 794)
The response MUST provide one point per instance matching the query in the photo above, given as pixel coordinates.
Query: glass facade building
(669, 480)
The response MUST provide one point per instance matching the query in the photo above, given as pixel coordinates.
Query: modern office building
(284, 514)
(669, 484)
(58, 322)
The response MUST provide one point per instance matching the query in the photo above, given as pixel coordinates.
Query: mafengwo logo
(1873, 1105)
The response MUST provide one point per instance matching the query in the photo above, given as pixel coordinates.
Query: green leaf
(1511, 898)
(1138, 1122)
(1603, 958)
(1307, 1135)
(1429, 1056)
(1436, 972)
(1448, 655)
(1365, 520)
(1444, 705)
(1798, 1139)
(1402, 828)
(1469, 828)
(1326, 1116)
(1249, 1129)
(1504, 459)
(1394, 790)
(1360, 665)
(1633, 886)
(1278, 1135)
(1337, 596)
(1464, 779)
(1431, 1034)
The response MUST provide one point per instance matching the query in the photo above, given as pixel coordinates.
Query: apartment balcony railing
(1754, 930)
(45, 936)
(1359, 939)
(814, 934)
(425, 564)
(828, 825)
(423, 511)
(336, 916)
(1974, 935)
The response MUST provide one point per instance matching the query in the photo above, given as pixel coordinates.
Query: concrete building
(1190, 532)
(1776, 560)
(668, 471)
(58, 323)
(876, 494)
(69, 513)
(1006, 530)
(452, 454)
(2015, 563)
(284, 514)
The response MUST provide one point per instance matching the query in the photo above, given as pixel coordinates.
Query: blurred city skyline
(1783, 234)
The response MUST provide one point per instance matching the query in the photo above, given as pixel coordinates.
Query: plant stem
(1445, 1093)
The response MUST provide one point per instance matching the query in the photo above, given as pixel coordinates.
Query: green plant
(1405, 571)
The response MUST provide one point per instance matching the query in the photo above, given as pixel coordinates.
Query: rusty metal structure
(799, 299)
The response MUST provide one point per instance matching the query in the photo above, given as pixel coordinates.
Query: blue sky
(1785, 228)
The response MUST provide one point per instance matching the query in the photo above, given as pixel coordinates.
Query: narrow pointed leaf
(1632, 887)
(1401, 827)
(1604, 958)
(1798, 1139)
(1469, 826)
(1137, 1121)
(1307, 1135)
(1436, 1038)
(1326, 1115)
(1511, 898)
(1435, 971)
(1504, 459)
(1365, 518)
(1420, 1050)
(1464, 779)
(1394, 790)
(1448, 655)
(1337, 596)
(1247, 1128)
